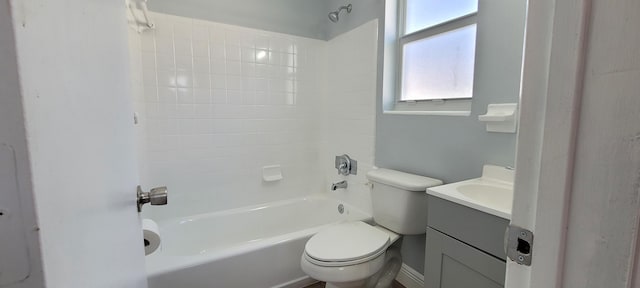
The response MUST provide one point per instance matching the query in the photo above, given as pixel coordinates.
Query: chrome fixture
(346, 165)
(157, 196)
(334, 16)
(141, 24)
(339, 185)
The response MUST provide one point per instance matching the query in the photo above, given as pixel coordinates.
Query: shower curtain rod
(142, 5)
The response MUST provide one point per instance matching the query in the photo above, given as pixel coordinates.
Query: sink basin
(501, 197)
(492, 193)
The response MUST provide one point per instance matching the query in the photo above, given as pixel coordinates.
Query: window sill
(420, 113)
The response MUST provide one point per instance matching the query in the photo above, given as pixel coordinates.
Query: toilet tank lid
(402, 180)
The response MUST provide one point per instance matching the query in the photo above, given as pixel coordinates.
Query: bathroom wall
(348, 117)
(363, 11)
(304, 18)
(221, 102)
(454, 148)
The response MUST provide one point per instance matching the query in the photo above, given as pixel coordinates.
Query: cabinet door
(450, 263)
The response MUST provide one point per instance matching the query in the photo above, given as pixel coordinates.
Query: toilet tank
(400, 200)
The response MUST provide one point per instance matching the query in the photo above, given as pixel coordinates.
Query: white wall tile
(167, 95)
(201, 80)
(234, 82)
(149, 60)
(164, 45)
(184, 78)
(248, 55)
(234, 68)
(222, 101)
(200, 31)
(233, 52)
(217, 51)
(184, 62)
(185, 96)
(201, 65)
(218, 66)
(219, 96)
(166, 78)
(200, 48)
(149, 77)
(182, 47)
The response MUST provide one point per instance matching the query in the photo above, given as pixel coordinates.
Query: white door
(544, 156)
(578, 155)
(74, 77)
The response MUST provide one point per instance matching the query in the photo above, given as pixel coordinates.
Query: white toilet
(357, 254)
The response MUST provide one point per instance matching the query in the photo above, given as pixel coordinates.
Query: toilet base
(353, 284)
(383, 278)
(392, 264)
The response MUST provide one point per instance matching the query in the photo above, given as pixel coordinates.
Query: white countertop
(492, 193)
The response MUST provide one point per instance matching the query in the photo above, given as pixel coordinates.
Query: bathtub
(256, 246)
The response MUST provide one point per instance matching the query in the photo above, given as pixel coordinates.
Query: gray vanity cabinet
(464, 247)
(453, 264)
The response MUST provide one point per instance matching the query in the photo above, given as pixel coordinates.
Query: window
(436, 55)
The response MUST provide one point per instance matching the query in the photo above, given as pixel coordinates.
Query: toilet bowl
(350, 254)
(357, 254)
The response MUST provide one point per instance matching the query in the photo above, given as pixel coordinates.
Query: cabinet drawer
(478, 229)
(450, 263)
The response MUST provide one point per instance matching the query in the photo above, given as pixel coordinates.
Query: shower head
(334, 16)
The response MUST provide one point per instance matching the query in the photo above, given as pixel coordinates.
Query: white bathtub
(256, 246)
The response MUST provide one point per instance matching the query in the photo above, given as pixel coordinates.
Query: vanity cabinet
(464, 247)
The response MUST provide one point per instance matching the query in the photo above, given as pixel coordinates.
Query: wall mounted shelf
(501, 118)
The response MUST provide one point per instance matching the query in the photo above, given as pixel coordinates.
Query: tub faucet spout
(341, 184)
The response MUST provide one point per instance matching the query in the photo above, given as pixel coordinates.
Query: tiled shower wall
(219, 102)
(348, 123)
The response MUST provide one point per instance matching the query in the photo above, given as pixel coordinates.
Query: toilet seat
(346, 244)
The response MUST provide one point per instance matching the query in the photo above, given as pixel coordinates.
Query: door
(549, 116)
(578, 154)
(74, 88)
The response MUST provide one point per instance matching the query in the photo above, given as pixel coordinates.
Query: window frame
(450, 106)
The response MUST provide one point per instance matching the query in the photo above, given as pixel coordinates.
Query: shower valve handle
(157, 196)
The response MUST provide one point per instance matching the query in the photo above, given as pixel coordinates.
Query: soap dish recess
(500, 117)
(272, 173)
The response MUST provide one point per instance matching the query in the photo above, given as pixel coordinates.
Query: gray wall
(455, 148)
(363, 12)
(306, 18)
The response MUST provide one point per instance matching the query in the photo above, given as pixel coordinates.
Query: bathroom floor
(321, 285)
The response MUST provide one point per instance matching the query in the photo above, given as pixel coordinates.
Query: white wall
(213, 114)
(348, 111)
(73, 69)
(221, 102)
(20, 260)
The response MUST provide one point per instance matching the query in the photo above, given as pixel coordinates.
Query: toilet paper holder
(156, 196)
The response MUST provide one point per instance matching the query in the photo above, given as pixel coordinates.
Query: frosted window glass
(439, 67)
(421, 14)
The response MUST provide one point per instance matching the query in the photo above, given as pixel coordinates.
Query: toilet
(357, 254)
